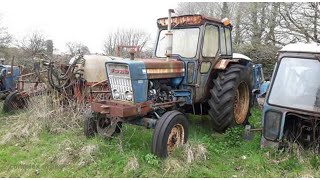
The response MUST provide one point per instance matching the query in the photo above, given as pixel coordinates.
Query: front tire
(230, 100)
(170, 132)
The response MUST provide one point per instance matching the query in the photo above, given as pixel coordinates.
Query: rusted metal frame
(137, 48)
(121, 109)
(103, 82)
(20, 81)
(124, 109)
(100, 92)
(26, 81)
(29, 74)
(167, 103)
(223, 63)
(190, 20)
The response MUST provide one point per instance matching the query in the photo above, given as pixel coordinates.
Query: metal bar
(167, 103)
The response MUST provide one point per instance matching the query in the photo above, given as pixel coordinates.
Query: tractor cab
(292, 108)
(194, 37)
(203, 44)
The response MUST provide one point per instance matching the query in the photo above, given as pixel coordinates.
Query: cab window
(211, 41)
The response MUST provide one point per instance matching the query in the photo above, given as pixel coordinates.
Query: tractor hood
(159, 68)
(153, 68)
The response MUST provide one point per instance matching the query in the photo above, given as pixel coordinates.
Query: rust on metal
(158, 68)
(121, 109)
(176, 138)
(241, 104)
(187, 20)
(171, 103)
(223, 63)
(135, 49)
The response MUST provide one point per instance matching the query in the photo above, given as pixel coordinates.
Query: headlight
(272, 123)
(128, 95)
(116, 94)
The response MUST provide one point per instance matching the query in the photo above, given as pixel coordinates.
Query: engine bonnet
(159, 68)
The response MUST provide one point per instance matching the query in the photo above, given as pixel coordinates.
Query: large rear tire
(170, 132)
(230, 100)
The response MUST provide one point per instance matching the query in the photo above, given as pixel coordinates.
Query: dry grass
(132, 164)
(43, 113)
(184, 156)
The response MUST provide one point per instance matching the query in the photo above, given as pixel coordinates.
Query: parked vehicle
(260, 85)
(193, 66)
(291, 112)
(8, 77)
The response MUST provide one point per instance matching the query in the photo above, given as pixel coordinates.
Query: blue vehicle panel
(10, 77)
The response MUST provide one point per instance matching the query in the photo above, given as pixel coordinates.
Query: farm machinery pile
(79, 82)
(193, 68)
(82, 80)
(17, 88)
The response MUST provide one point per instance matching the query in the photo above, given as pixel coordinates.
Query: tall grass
(44, 112)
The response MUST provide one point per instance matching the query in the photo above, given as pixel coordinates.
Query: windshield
(297, 84)
(185, 42)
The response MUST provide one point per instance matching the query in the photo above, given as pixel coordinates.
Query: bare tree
(5, 37)
(76, 47)
(126, 37)
(300, 21)
(33, 44)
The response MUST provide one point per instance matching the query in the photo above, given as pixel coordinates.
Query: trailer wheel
(105, 128)
(90, 128)
(230, 100)
(14, 102)
(170, 132)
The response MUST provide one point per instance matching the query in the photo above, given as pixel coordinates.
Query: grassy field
(30, 146)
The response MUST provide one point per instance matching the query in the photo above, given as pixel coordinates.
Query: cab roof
(302, 47)
(186, 20)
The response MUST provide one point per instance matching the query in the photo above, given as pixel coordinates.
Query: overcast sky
(85, 21)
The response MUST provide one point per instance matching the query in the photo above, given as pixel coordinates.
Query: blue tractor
(193, 68)
(8, 77)
(260, 84)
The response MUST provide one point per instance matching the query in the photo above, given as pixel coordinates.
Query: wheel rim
(102, 125)
(241, 103)
(176, 137)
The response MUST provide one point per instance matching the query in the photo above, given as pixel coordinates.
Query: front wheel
(171, 131)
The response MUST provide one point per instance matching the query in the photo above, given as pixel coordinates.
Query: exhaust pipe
(169, 36)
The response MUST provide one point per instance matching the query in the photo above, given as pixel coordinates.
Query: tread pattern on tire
(89, 122)
(222, 96)
(9, 107)
(163, 125)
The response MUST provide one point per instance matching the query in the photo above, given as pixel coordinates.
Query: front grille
(120, 82)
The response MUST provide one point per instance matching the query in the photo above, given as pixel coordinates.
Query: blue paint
(138, 77)
(9, 78)
(183, 93)
(175, 82)
(258, 80)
